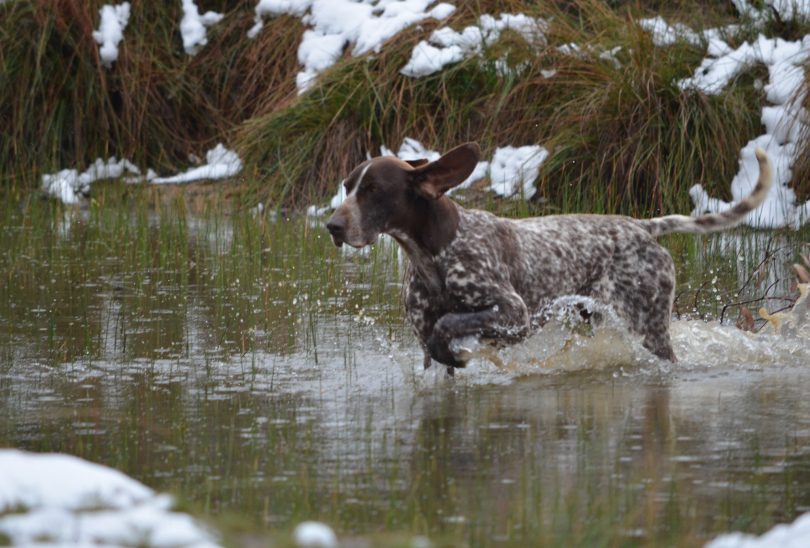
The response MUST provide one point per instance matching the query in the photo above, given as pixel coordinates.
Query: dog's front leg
(505, 320)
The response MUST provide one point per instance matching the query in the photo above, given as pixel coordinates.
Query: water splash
(572, 340)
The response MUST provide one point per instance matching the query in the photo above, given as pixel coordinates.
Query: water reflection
(258, 373)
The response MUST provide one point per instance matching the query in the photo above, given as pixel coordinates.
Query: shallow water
(266, 378)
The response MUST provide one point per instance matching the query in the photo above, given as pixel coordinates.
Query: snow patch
(335, 25)
(194, 27)
(663, 34)
(312, 534)
(447, 46)
(411, 149)
(70, 186)
(273, 8)
(220, 163)
(110, 32)
(790, 10)
(70, 501)
(795, 535)
(514, 170)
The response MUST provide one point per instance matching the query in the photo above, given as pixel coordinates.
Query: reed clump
(156, 105)
(595, 91)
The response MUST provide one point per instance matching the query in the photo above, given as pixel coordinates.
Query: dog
(473, 273)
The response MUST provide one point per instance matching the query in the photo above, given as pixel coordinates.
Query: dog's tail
(712, 222)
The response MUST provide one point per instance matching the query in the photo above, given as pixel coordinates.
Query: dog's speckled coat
(477, 274)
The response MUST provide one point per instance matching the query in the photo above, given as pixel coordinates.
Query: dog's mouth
(338, 240)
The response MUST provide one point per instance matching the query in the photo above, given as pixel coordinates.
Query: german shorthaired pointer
(473, 273)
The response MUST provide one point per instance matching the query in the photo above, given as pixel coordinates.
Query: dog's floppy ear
(434, 179)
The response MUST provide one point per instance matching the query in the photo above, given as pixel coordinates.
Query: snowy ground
(60, 500)
(794, 535)
(53, 499)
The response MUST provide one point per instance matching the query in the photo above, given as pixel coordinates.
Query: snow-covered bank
(57, 499)
(785, 119)
(69, 185)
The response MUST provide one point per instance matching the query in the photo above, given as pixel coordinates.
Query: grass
(155, 106)
(623, 138)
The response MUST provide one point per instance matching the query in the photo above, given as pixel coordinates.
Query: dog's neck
(430, 226)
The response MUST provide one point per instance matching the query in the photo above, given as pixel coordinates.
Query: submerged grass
(623, 136)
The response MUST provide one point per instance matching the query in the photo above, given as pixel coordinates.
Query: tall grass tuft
(61, 107)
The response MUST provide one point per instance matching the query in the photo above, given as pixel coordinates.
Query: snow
(111, 31)
(447, 46)
(314, 534)
(795, 535)
(221, 163)
(514, 170)
(272, 8)
(784, 119)
(69, 501)
(789, 10)
(335, 25)
(664, 34)
(363, 26)
(194, 27)
(69, 186)
(411, 149)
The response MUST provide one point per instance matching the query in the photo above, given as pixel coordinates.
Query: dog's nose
(336, 226)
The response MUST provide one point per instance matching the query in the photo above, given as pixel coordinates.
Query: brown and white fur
(474, 273)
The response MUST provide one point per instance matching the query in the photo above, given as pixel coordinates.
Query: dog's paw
(440, 351)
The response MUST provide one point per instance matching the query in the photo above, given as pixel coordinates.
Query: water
(266, 378)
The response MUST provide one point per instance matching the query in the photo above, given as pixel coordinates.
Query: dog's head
(383, 193)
